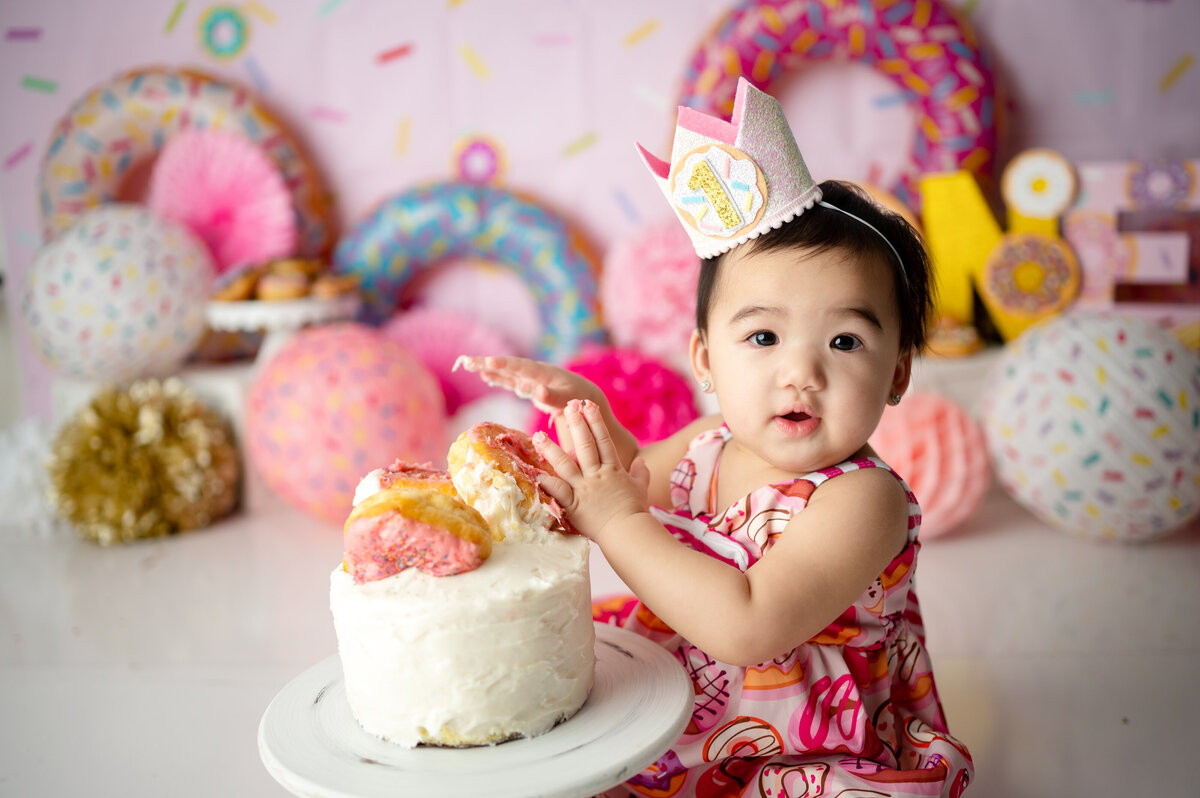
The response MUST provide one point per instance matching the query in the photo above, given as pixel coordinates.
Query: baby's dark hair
(823, 229)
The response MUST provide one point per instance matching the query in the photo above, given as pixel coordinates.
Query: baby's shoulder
(866, 497)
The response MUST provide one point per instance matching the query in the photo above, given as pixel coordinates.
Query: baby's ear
(698, 356)
(902, 376)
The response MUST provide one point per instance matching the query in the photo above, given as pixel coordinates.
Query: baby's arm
(823, 561)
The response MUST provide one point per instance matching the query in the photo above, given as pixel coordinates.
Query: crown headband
(732, 181)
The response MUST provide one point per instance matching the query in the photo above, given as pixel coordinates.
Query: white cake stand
(640, 702)
(278, 319)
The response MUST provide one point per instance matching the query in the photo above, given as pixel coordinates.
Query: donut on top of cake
(495, 470)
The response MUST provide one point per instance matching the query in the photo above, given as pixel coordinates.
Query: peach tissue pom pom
(941, 452)
(227, 191)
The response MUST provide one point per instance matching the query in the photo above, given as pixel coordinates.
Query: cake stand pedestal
(278, 319)
(640, 702)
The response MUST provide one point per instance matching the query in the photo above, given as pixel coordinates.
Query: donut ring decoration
(1038, 184)
(1160, 184)
(415, 230)
(122, 123)
(478, 160)
(224, 32)
(923, 46)
(1027, 277)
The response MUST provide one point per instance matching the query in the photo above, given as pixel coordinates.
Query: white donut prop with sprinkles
(921, 45)
(120, 125)
(419, 228)
(1038, 184)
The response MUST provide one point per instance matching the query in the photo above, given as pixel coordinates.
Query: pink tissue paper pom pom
(941, 452)
(648, 290)
(227, 191)
(437, 337)
(650, 399)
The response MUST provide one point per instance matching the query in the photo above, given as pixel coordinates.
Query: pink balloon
(334, 403)
(941, 453)
(437, 337)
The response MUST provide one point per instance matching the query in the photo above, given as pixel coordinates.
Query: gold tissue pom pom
(144, 461)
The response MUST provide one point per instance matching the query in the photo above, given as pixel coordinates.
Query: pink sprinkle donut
(922, 45)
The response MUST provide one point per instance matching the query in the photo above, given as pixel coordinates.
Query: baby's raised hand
(591, 484)
(548, 387)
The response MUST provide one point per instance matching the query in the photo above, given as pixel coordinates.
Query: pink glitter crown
(733, 181)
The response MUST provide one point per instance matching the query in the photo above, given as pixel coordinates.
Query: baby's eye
(764, 338)
(845, 343)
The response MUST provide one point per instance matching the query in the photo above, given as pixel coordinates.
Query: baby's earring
(894, 399)
(705, 386)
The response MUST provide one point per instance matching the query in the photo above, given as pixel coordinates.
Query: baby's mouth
(796, 415)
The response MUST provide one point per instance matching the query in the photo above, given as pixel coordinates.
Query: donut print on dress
(852, 711)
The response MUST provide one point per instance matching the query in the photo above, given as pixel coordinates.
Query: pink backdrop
(380, 93)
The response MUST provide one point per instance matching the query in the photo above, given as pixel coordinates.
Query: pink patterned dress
(854, 711)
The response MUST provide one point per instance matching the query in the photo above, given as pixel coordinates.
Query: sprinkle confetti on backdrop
(642, 54)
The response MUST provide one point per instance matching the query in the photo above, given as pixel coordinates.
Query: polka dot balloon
(333, 403)
(1093, 423)
(118, 295)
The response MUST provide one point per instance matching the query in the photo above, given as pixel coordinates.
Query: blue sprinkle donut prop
(122, 124)
(921, 45)
(416, 229)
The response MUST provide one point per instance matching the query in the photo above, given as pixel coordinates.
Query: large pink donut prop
(921, 45)
(123, 123)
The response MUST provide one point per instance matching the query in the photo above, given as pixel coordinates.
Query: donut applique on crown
(733, 181)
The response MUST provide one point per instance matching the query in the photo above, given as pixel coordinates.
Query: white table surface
(1069, 668)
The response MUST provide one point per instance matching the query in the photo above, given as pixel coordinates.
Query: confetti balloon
(333, 403)
(119, 295)
(940, 451)
(1093, 423)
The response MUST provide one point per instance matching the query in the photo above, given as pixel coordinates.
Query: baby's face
(803, 351)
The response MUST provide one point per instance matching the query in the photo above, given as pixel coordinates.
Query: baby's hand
(592, 486)
(548, 387)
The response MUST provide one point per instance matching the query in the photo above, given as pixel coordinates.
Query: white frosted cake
(502, 649)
